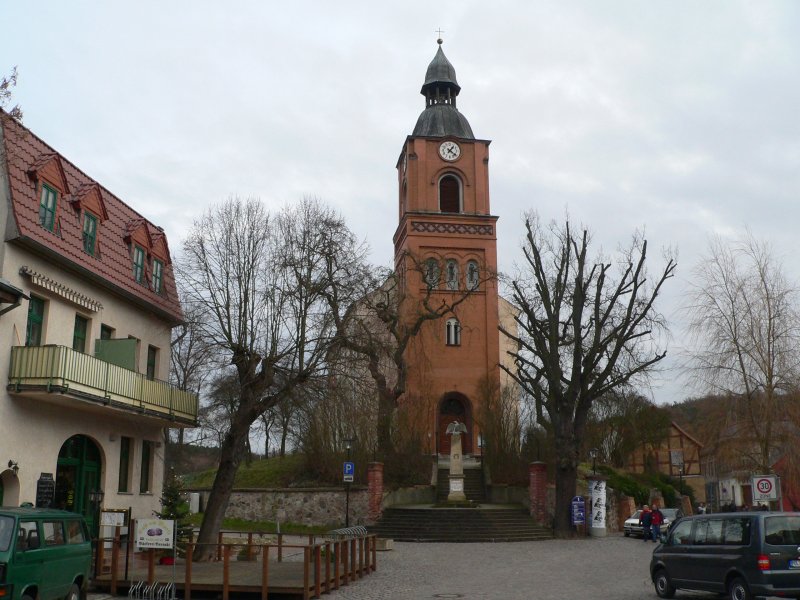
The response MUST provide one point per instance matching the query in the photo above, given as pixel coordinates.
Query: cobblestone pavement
(612, 568)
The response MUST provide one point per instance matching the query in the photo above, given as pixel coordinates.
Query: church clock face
(449, 150)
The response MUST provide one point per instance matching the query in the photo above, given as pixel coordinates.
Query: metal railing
(61, 369)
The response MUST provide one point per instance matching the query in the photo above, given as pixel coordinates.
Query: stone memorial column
(597, 512)
(455, 429)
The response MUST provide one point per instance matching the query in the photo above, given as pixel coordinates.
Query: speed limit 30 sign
(765, 488)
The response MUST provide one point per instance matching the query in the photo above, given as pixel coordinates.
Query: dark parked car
(742, 555)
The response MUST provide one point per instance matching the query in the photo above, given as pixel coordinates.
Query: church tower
(446, 227)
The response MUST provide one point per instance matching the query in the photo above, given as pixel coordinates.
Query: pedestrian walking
(645, 520)
(656, 519)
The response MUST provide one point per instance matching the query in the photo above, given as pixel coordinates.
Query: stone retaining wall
(306, 506)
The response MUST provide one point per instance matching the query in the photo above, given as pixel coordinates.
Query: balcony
(60, 373)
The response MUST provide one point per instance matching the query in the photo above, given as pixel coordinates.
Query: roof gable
(48, 167)
(89, 197)
(28, 158)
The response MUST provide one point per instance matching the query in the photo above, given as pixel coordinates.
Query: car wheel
(663, 584)
(738, 590)
(27, 597)
(74, 593)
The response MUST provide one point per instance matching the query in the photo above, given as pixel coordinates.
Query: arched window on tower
(453, 332)
(432, 273)
(450, 194)
(473, 275)
(451, 275)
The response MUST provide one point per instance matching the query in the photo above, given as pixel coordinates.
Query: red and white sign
(765, 488)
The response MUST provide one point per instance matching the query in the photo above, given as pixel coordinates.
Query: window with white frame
(451, 275)
(453, 332)
(473, 275)
(432, 273)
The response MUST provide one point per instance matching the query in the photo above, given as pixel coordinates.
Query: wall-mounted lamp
(12, 464)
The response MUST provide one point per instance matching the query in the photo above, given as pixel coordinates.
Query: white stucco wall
(33, 429)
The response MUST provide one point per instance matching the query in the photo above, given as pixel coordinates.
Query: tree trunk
(231, 454)
(284, 434)
(384, 425)
(566, 476)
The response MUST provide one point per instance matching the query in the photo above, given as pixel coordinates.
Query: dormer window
(47, 207)
(138, 264)
(450, 194)
(158, 276)
(89, 233)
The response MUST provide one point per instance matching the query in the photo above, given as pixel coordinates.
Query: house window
(158, 276)
(138, 264)
(89, 233)
(450, 194)
(146, 474)
(453, 332)
(125, 456)
(47, 207)
(33, 336)
(473, 275)
(452, 275)
(79, 334)
(432, 273)
(106, 332)
(152, 359)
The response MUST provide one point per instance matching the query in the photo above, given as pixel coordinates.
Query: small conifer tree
(175, 507)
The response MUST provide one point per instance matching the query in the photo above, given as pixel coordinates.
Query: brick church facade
(446, 224)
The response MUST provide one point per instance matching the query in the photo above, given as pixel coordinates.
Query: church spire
(441, 117)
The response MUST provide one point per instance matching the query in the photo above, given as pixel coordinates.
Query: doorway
(77, 476)
(454, 407)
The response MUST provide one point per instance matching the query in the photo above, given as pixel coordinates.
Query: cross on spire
(440, 32)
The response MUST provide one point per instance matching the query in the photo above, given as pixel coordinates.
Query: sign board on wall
(155, 533)
(765, 488)
(45, 490)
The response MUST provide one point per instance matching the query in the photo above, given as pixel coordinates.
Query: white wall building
(85, 353)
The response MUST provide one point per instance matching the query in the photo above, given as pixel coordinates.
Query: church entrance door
(454, 407)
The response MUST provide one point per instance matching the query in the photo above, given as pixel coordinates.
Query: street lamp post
(593, 455)
(348, 444)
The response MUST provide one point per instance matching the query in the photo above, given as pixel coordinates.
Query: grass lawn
(272, 472)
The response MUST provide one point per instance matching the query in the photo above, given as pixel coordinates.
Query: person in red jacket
(656, 520)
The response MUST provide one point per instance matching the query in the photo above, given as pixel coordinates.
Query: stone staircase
(485, 524)
(473, 485)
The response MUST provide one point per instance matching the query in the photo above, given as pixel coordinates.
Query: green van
(44, 554)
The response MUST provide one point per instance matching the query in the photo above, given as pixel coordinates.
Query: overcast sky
(679, 117)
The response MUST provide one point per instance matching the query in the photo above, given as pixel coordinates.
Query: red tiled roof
(28, 160)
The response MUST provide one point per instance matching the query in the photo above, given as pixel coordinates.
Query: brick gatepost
(374, 491)
(538, 491)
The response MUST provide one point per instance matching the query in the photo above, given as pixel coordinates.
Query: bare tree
(585, 329)
(386, 320)
(623, 421)
(261, 282)
(745, 337)
(192, 358)
(7, 85)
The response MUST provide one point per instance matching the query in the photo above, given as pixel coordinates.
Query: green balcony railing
(58, 368)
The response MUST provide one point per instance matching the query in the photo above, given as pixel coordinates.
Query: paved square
(614, 567)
